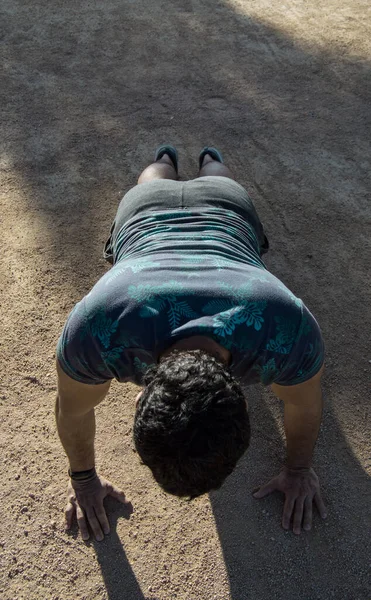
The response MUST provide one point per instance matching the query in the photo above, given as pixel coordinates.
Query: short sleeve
(307, 353)
(79, 353)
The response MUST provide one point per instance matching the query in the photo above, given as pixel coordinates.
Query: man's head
(191, 424)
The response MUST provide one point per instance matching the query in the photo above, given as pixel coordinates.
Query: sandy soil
(87, 92)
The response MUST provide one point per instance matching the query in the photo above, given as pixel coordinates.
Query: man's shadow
(264, 561)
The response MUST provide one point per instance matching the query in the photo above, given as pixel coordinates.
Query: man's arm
(297, 480)
(302, 418)
(74, 412)
(75, 419)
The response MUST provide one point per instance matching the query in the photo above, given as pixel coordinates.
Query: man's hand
(85, 499)
(301, 489)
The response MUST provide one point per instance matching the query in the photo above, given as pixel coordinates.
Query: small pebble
(17, 477)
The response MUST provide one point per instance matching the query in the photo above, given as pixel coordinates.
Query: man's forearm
(301, 427)
(77, 436)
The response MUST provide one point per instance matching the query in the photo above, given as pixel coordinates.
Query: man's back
(184, 272)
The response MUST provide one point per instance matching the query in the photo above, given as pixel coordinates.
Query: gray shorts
(164, 194)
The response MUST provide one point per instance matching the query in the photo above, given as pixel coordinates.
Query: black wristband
(82, 475)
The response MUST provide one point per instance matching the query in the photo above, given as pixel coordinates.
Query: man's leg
(214, 167)
(161, 169)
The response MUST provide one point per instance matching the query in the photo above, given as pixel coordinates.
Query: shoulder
(306, 356)
(283, 343)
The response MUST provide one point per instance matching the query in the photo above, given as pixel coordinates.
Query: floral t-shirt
(183, 273)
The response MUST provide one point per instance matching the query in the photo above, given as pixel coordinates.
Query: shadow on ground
(263, 561)
(293, 120)
(119, 579)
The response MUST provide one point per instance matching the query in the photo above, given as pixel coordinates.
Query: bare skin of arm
(297, 480)
(75, 417)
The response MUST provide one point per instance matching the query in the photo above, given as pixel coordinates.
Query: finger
(94, 524)
(81, 521)
(102, 518)
(266, 489)
(118, 494)
(298, 515)
(320, 505)
(308, 514)
(287, 512)
(68, 513)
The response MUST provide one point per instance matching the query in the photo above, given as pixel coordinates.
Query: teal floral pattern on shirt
(285, 337)
(103, 327)
(250, 314)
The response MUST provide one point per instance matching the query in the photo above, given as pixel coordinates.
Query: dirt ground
(88, 90)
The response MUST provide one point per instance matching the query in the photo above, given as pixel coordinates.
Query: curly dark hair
(191, 424)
